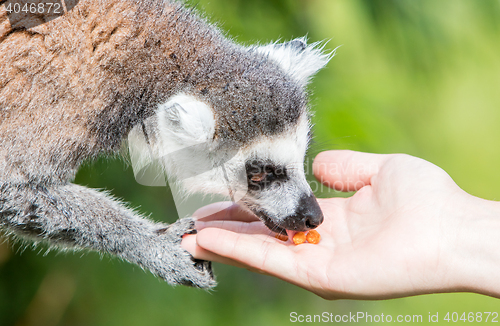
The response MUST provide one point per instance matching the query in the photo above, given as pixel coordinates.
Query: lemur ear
(297, 58)
(186, 119)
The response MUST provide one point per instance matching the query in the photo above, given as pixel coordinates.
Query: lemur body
(74, 87)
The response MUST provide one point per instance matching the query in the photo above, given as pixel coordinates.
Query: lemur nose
(311, 214)
(307, 216)
(313, 222)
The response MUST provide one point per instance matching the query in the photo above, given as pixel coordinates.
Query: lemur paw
(174, 264)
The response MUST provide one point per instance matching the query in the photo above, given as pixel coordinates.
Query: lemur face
(247, 139)
(278, 192)
(265, 175)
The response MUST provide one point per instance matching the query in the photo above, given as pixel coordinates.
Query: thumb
(347, 170)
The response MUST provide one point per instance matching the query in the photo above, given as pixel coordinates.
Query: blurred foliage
(417, 77)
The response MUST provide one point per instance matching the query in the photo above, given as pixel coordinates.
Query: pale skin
(408, 230)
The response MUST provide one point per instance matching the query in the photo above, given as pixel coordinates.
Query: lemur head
(245, 130)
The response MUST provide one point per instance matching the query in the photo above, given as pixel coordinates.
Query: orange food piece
(299, 238)
(281, 237)
(313, 237)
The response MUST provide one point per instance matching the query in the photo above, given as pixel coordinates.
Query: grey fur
(75, 216)
(72, 88)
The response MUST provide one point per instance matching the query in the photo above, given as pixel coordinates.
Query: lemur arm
(75, 216)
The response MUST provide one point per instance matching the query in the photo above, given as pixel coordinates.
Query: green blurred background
(416, 77)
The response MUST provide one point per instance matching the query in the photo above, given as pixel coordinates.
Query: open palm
(391, 238)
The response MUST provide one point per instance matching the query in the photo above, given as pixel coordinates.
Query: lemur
(73, 88)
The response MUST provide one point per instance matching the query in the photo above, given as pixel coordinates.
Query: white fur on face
(183, 144)
(287, 150)
(288, 147)
(297, 59)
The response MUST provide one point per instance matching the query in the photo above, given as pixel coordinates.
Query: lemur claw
(179, 267)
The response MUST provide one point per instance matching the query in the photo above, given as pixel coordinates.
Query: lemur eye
(261, 175)
(258, 177)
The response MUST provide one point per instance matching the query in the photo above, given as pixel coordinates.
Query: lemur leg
(75, 216)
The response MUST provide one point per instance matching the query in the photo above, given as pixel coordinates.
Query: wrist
(474, 250)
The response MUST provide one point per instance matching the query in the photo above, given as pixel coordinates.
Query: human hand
(401, 233)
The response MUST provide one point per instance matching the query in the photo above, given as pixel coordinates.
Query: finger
(267, 256)
(189, 244)
(347, 170)
(224, 211)
(236, 226)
